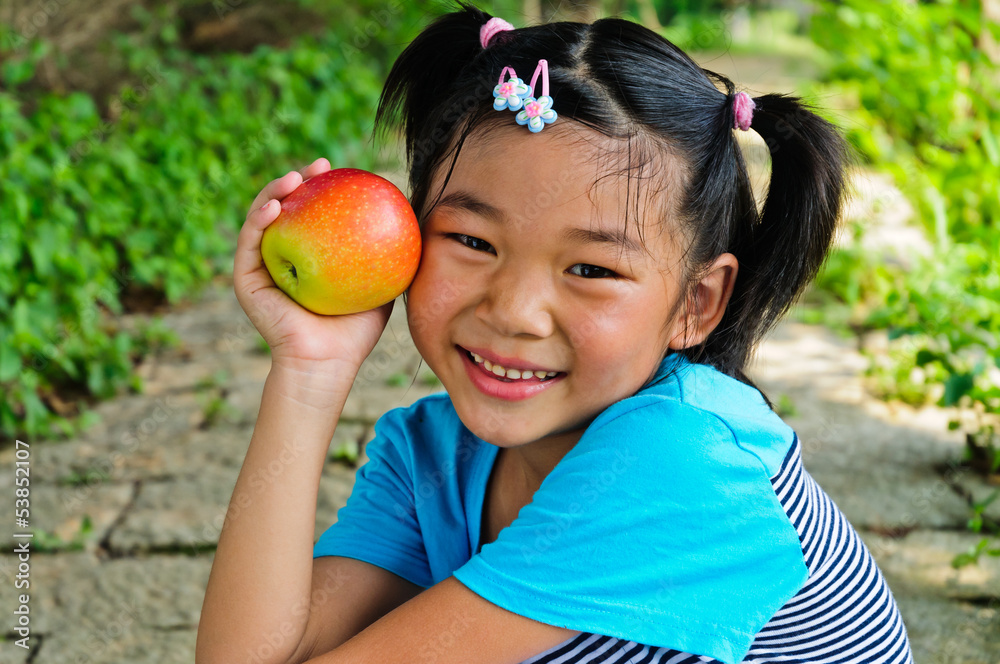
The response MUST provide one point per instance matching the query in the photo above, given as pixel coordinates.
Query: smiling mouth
(510, 375)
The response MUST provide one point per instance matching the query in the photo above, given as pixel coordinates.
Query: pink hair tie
(743, 107)
(491, 28)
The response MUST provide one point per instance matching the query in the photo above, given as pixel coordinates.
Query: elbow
(209, 651)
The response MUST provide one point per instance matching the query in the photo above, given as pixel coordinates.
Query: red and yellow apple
(345, 241)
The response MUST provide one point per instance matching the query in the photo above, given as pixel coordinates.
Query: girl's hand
(298, 338)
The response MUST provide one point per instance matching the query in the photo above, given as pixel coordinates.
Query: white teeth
(513, 374)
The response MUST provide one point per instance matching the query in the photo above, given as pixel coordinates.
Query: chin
(509, 430)
(499, 431)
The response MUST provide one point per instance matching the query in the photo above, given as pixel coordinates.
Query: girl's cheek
(601, 323)
(436, 295)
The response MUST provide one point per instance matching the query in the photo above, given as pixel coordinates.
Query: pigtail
(782, 251)
(425, 73)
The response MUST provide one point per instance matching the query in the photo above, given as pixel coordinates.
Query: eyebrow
(463, 200)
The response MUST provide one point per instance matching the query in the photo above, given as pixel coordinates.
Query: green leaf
(990, 147)
(14, 72)
(10, 363)
(957, 386)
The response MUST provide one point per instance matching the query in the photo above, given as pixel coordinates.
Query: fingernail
(266, 204)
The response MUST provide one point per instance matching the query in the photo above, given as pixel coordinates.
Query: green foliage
(430, 380)
(737, 30)
(45, 542)
(346, 452)
(785, 407)
(928, 114)
(398, 379)
(976, 522)
(150, 197)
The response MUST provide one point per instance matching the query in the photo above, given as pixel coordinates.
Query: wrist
(321, 385)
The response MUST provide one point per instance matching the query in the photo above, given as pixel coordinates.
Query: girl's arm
(267, 599)
(258, 600)
(448, 624)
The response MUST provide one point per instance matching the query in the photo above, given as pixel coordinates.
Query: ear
(706, 304)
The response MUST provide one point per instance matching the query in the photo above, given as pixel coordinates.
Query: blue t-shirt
(681, 520)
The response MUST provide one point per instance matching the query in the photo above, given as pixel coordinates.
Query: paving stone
(924, 557)
(60, 510)
(109, 611)
(187, 512)
(183, 513)
(211, 323)
(243, 395)
(131, 432)
(945, 631)
(76, 645)
(13, 654)
(189, 456)
(215, 329)
(797, 357)
(78, 588)
(168, 375)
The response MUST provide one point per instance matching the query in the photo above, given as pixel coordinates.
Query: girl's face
(524, 268)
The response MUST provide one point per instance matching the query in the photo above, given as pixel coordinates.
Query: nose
(516, 302)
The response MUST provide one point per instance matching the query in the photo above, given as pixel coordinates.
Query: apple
(345, 241)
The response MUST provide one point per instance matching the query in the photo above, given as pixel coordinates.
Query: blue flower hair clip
(538, 112)
(510, 94)
(515, 95)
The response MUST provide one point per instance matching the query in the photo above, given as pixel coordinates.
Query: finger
(248, 258)
(321, 165)
(278, 188)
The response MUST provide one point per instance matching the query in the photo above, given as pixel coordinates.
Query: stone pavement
(155, 476)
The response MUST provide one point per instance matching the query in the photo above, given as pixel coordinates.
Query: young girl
(600, 482)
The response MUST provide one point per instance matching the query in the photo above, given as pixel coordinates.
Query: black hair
(625, 81)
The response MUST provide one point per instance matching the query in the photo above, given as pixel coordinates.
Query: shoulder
(428, 431)
(695, 410)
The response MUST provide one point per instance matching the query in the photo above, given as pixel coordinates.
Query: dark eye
(591, 271)
(472, 242)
